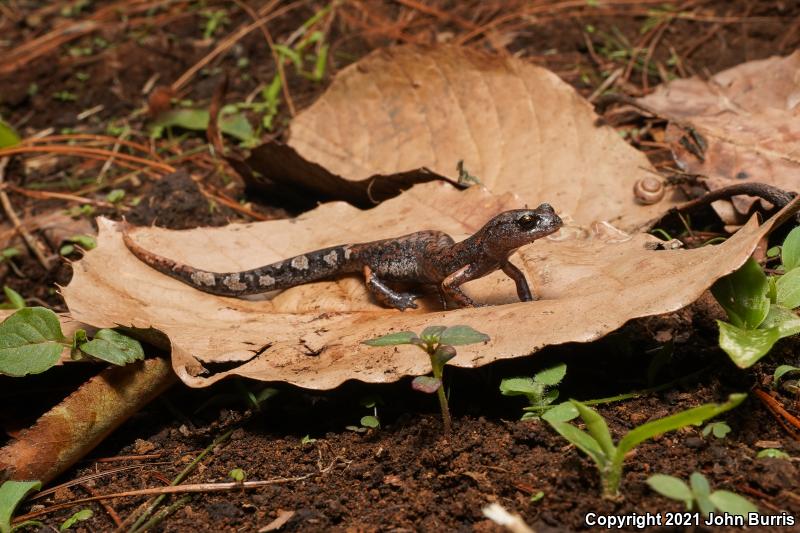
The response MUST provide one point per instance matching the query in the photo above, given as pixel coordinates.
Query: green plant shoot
(11, 495)
(759, 308)
(31, 341)
(596, 441)
(438, 342)
(697, 493)
(539, 390)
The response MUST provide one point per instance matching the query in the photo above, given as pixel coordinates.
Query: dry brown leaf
(591, 283)
(749, 117)
(516, 126)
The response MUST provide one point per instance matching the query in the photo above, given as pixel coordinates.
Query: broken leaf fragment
(589, 281)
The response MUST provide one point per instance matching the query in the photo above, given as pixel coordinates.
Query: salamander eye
(527, 222)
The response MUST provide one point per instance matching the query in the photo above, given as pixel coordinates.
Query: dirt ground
(406, 475)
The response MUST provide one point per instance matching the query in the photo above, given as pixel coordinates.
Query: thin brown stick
(83, 150)
(102, 139)
(763, 498)
(107, 506)
(12, 216)
(52, 195)
(231, 203)
(227, 43)
(171, 489)
(140, 457)
(778, 409)
(275, 57)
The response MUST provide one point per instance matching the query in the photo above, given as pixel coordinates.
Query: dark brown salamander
(422, 258)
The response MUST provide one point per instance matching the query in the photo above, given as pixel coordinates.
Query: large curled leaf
(30, 341)
(516, 126)
(589, 282)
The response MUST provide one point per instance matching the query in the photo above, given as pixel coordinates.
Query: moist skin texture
(421, 258)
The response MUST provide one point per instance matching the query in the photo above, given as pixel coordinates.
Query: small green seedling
(215, 19)
(231, 122)
(250, 399)
(8, 136)
(85, 210)
(759, 308)
(31, 342)
(438, 342)
(539, 390)
(718, 429)
(772, 453)
(782, 371)
(237, 474)
(369, 421)
(14, 300)
(307, 440)
(789, 385)
(11, 495)
(115, 196)
(698, 494)
(84, 241)
(80, 516)
(596, 442)
(8, 253)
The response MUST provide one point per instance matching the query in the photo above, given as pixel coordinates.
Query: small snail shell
(648, 190)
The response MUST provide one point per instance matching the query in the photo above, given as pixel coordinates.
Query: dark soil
(407, 475)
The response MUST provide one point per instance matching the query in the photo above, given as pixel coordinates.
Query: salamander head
(511, 229)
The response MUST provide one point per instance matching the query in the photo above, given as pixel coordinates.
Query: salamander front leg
(523, 291)
(451, 285)
(385, 295)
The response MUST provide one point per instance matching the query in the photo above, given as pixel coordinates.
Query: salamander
(421, 258)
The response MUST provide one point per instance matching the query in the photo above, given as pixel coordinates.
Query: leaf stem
(438, 370)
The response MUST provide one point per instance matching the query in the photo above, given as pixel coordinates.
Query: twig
(161, 515)
(227, 43)
(150, 506)
(764, 498)
(607, 84)
(176, 489)
(233, 204)
(777, 409)
(777, 197)
(114, 150)
(107, 506)
(53, 195)
(12, 216)
(275, 57)
(85, 151)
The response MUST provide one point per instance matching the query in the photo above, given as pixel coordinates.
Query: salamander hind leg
(385, 295)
